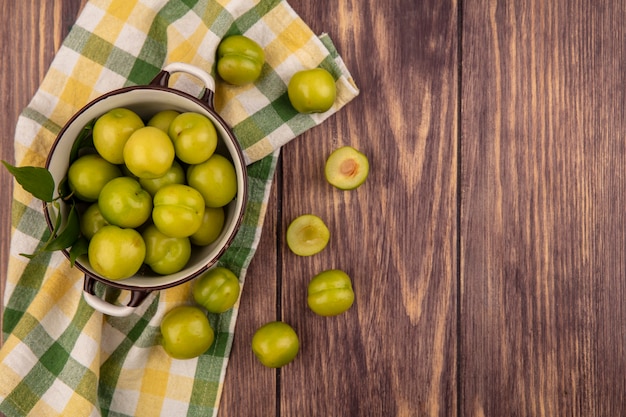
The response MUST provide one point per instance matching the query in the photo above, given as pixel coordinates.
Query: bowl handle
(136, 298)
(163, 77)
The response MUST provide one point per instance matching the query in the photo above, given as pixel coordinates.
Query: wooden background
(487, 245)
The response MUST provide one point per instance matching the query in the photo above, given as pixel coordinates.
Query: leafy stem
(39, 182)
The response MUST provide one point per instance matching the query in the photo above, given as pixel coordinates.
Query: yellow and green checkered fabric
(60, 357)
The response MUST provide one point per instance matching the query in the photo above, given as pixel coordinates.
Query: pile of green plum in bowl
(157, 182)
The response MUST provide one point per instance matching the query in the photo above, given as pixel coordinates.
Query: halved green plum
(307, 235)
(346, 168)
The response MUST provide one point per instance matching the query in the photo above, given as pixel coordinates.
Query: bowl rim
(206, 104)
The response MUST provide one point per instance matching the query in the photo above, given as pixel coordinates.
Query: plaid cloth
(60, 357)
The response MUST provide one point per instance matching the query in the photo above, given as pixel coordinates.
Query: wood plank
(394, 352)
(249, 388)
(543, 190)
(27, 55)
(31, 34)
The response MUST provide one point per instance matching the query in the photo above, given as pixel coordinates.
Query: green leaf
(84, 139)
(57, 223)
(79, 248)
(35, 180)
(65, 192)
(66, 237)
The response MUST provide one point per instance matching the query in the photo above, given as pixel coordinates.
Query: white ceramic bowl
(146, 101)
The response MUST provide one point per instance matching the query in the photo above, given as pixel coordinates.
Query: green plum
(112, 130)
(194, 137)
(178, 210)
(116, 253)
(148, 153)
(163, 119)
(124, 203)
(186, 332)
(89, 174)
(312, 91)
(215, 179)
(346, 168)
(211, 227)
(275, 344)
(217, 290)
(91, 221)
(307, 235)
(330, 293)
(164, 254)
(174, 175)
(239, 60)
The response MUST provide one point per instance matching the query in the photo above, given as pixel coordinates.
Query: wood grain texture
(31, 34)
(542, 233)
(394, 352)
